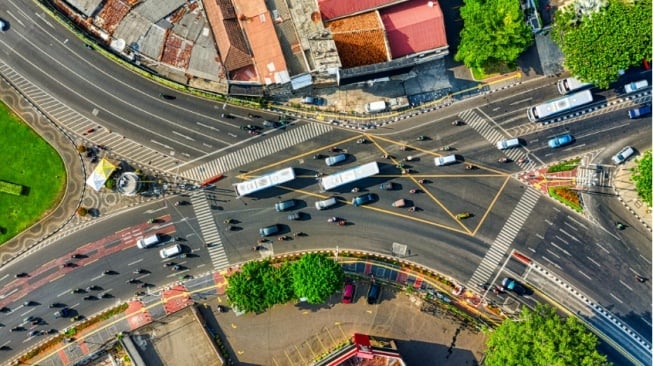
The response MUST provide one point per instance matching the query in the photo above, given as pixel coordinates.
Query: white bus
(559, 105)
(349, 176)
(265, 181)
(569, 85)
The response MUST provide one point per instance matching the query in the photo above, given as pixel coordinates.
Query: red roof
(414, 26)
(332, 9)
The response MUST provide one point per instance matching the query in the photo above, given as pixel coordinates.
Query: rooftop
(228, 35)
(360, 39)
(413, 27)
(334, 9)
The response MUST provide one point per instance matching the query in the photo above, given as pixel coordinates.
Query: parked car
(348, 293)
(374, 293)
(561, 140)
(318, 101)
(623, 155)
(514, 286)
(388, 186)
(63, 313)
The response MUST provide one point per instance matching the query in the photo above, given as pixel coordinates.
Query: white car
(623, 155)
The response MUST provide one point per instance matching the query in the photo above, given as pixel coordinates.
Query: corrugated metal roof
(87, 7)
(414, 26)
(154, 10)
(333, 9)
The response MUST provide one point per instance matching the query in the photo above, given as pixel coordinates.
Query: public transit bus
(559, 105)
(265, 181)
(348, 176)
(569, 85)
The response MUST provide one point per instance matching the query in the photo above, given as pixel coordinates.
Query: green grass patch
(29, 162)
(10, 188)
(567, 197)
(564, 166)
(491, 70)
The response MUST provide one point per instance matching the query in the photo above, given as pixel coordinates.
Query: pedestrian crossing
(492, 135)
(209, 230)
(502, 243)
(294, 135)
(76, 123)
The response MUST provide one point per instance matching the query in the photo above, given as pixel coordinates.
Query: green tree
(315, 277)
(246, 289)
(541, 337)
(494, 31)
(597, 46)
(641, 175)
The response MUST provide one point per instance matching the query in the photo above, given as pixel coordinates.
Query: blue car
(561, 140)
(361, 200)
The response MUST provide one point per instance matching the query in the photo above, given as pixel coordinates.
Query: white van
(635, 86)
(170, 251)
(333, 160)
(321, 205)
(507, 144)
(148, 241)
(445, 160)
(375, 107)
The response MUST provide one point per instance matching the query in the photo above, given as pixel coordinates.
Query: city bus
(264, 181)
(349, 176)
(559, 105)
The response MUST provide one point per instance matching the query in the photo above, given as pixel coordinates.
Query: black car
(374, 293)
(167, 96)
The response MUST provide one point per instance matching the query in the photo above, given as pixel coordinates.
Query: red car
(348, 293)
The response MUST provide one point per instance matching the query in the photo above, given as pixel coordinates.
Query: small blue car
(363, 199)
(561, 140)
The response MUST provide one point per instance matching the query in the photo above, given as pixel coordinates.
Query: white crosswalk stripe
(230, 161)
(72, 121)
(209, 230)
(491, 134)
(502, 243)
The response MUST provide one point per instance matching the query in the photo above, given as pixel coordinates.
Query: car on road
(639, 112)
(268, 230)
(63, 313)
(508, 144)
(388, 186)
(512, 285)
(562, 140)
(362, 199)
(170, 251)
(623, 155)
(285, 205)
(463, 215)
(295, 216)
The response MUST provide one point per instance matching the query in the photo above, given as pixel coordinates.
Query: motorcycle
(283, 238)
(522, 160)
(504, 160)
(620, 226)
(469, 167)
(342, 223)
(445, 148)
(457, 123)
(413, 191)
(318, 156)
(355, 189)
(421, 138)
(361, 141)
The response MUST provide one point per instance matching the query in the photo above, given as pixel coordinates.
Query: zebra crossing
(291, 137)
(209, 230)
(491, 134)
(76, 123)
(502, 243)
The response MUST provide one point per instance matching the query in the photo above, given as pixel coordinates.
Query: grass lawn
(32, 163)
(492, 69)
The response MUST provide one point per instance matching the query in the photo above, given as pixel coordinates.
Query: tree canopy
(494, 30)
(597, 46)
(260, 284)
(541, 337)
(315, 277)
(641, 175)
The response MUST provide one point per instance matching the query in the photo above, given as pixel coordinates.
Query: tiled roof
(258, 25)
(360, 39)
(414, 26)
(332, 9)
(228, 35)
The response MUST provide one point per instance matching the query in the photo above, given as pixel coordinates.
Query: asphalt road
(190, 127)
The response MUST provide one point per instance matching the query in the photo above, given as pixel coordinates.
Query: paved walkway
(625, 189)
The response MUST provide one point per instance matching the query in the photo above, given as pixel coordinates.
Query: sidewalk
(627, 194)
